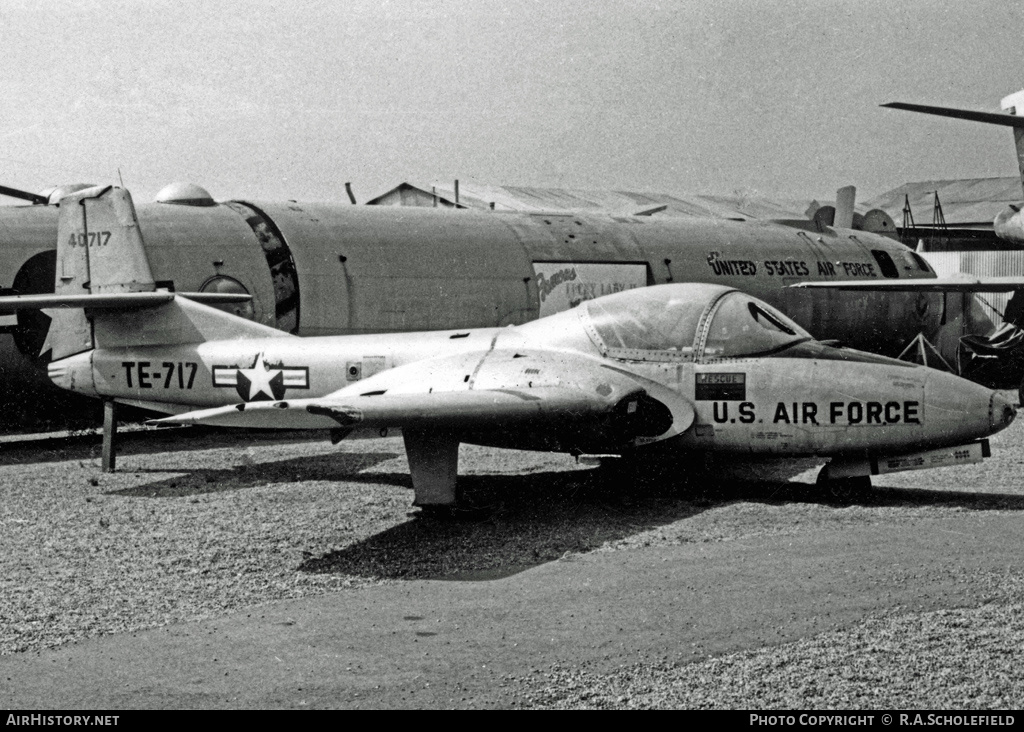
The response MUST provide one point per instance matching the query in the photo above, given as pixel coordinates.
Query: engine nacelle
(1009, 225)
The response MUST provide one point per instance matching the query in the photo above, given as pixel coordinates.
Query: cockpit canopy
(688, 322)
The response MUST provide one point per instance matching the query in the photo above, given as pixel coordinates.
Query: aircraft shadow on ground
(88, 445)
(771, 482)
(878, 497)
(521, 521)
(509, 523)
(336, 467)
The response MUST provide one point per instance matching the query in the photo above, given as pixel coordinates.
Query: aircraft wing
(992, 118)
(470, 409)
(960, 283)
(112, 301)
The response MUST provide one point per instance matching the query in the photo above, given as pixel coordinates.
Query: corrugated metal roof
(532, 198)
(970, 201)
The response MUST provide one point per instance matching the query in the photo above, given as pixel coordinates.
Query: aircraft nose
(958, 409)
(1001, 410)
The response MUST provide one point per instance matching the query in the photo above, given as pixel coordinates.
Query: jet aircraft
(1001, 353)
(1009, 223)
(323, 269)
(690, 367)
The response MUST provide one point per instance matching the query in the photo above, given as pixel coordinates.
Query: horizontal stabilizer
(993, 118)
(474, 409)
(963, 283)
(113, 301)
(35, 198)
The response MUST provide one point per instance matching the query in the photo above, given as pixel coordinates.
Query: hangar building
(532, 198)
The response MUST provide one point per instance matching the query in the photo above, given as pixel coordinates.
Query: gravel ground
(948, 659)
(84, 553)
(235, 522)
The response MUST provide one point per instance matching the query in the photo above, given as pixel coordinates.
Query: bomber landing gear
(843, 489)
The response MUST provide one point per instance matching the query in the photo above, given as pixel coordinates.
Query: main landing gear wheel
(843, 489)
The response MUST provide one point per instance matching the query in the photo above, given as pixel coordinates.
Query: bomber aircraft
(322, 268)
(690, 367)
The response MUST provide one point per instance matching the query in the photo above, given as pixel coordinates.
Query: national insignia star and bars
(261, 381)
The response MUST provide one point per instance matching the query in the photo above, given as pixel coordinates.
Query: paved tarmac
(469, 640)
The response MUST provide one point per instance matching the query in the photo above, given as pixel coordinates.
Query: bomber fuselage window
(885, 263)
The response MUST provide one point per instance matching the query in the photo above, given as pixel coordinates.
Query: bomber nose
(1001, 410)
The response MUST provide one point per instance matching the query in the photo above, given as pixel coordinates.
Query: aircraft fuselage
(330, 269)
(809, 399)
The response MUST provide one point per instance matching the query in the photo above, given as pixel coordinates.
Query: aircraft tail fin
(99, 245)
(1012, 105)
(845, 199)
(99, 250)
(104, 292)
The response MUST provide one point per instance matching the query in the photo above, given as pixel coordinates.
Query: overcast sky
(272, 100)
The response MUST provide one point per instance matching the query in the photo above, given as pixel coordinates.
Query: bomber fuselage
(323, 269)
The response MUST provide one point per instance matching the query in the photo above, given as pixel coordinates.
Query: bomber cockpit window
(921, 263)
(650, 321)
(742, 326)
(912, 260)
